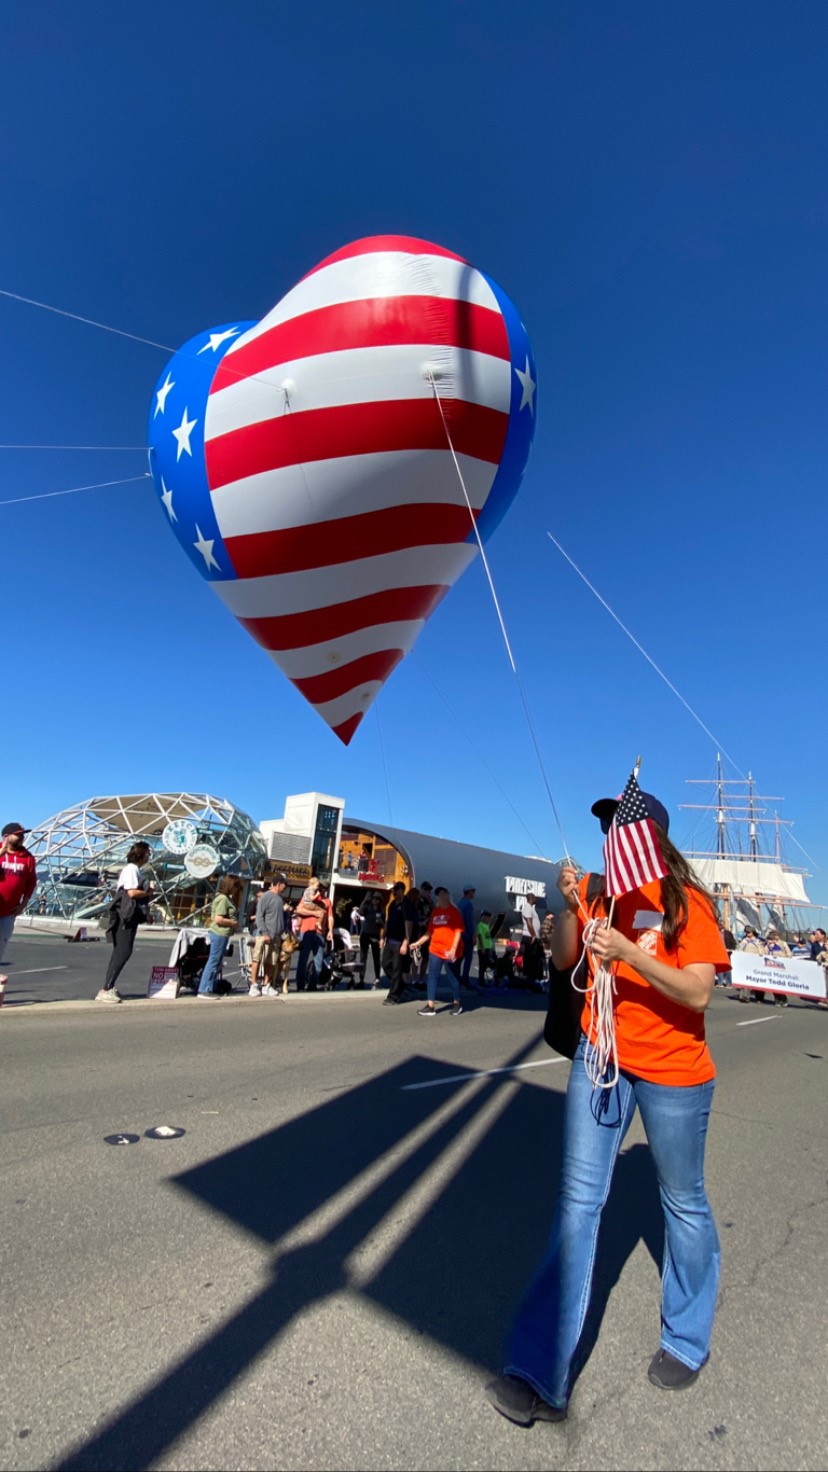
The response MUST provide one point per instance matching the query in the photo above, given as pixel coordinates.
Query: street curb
(87, 1004)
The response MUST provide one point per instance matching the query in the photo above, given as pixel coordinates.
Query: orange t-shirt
(659, 1040)
(445, 929)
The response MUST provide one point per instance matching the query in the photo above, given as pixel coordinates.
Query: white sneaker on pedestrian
(270, 991)
(108, 994)
(255, 990)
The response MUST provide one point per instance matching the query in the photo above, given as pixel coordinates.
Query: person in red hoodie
(18, 877)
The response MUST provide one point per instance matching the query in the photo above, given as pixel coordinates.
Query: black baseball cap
(425, 884)
(14, 828)
(606, 807)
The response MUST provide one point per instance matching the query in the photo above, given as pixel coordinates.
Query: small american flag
(632, 854)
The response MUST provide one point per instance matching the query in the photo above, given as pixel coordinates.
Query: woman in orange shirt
(664, 948)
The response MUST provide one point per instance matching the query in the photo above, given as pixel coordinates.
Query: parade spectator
(129, 909)
(371, 932)
(531, 948)
(18, 877)
(819, 953)
(486, 953)
(445, 942)
(316, 935)
(754, 945)
(270, 927)
(223, 920)
(662, 981)
(777, 947)
(466, 908)
(419, 957)
(400, 920)
(729, 940)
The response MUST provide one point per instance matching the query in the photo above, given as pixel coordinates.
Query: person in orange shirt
(445, 948)
(664, 948)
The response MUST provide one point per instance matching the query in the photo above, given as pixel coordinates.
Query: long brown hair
(674, 886)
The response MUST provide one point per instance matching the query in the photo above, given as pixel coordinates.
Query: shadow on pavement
(457, 1275)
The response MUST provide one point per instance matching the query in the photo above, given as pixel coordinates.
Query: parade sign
(778, 974)
(163, 983)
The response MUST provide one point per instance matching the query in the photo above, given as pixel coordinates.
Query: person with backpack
(129, 909)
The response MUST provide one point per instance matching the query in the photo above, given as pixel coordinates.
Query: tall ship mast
(746, 869)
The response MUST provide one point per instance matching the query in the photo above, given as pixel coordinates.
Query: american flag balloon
(306, 467)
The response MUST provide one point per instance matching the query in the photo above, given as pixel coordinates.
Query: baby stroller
(192, 964)
(342, 963)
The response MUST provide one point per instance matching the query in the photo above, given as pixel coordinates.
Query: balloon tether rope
(521, 691)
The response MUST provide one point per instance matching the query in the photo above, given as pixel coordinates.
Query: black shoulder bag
(562, 1029)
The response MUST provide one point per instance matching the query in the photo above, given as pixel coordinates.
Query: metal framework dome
(194, 839)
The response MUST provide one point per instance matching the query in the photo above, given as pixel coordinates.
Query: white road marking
(37, 970)
(456, 1078)
(752, 1021)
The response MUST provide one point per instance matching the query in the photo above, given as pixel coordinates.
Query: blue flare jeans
(550, 1320)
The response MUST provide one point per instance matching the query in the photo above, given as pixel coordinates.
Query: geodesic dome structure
(195, 840)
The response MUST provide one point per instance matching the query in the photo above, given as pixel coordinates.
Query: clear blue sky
(646, 180)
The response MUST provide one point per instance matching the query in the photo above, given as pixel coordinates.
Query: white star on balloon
(161, 395)
(528, 385)
(166, 497)
(183, 433)
(217, 338)
(205, 548)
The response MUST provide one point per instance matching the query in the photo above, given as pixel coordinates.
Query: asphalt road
(319, 1272)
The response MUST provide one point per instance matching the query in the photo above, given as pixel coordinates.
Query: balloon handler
(644, 942)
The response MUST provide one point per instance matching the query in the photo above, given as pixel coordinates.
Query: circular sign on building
(180, 836)
(202, 861)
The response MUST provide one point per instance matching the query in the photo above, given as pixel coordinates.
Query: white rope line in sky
(73, 490)
(89, 321)
(521, 691)
(640, 647)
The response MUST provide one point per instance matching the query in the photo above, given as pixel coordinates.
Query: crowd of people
(412, 936)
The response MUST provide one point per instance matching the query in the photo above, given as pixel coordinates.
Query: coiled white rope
(600, 1057)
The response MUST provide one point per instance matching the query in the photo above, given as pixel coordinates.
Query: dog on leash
(281, 972)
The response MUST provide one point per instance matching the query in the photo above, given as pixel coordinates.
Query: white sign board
(778, 974)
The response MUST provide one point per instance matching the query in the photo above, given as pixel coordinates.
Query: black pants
(395, 967)
(366, 943)
(123, 941)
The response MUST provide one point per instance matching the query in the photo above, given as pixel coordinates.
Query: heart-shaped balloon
(318, 466)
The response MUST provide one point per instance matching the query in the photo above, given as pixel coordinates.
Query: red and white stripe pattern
(632, 852)
(329, 470)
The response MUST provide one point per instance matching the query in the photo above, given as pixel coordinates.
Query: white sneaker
(255, 990)
(270, 991)
(108, 994)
